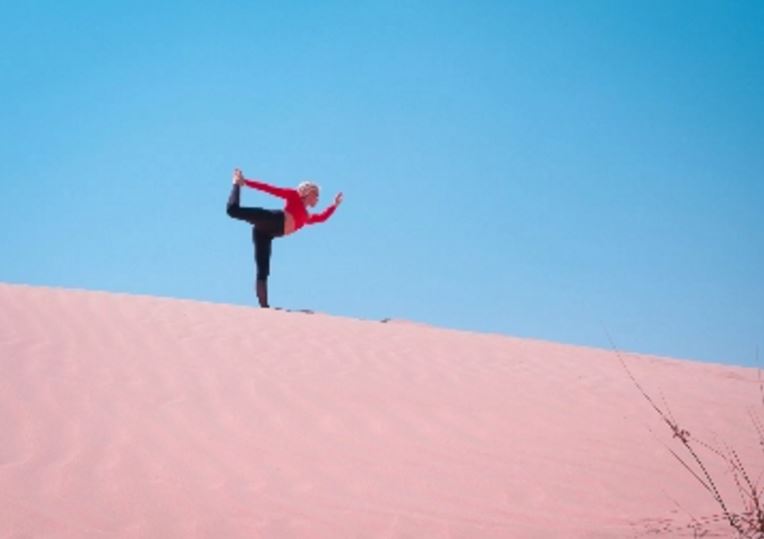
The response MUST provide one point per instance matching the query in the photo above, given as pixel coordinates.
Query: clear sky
(537, 169)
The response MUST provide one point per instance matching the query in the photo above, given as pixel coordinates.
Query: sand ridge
(134, 416)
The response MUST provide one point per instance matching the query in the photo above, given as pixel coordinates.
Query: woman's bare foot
(238, 177)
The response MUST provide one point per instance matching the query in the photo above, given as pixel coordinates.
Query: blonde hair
(306, 188)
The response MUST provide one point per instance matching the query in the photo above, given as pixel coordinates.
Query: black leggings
(266, 225)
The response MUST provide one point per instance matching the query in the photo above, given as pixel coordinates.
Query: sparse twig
(750, 522)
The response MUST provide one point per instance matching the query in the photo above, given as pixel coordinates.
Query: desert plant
(748, 521)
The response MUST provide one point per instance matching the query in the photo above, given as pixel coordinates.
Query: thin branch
(684, 438)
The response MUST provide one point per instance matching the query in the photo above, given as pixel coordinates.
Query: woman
(269, 224)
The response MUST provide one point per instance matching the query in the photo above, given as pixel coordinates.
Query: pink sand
(131, 416)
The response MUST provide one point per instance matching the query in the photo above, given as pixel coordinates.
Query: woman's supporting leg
(261, 287)
(266, 224)
(263, 242)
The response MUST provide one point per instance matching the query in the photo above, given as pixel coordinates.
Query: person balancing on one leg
(268, 224)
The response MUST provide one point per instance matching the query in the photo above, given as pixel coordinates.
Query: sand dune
(131, 416)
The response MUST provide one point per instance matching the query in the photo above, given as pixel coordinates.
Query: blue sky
(537, 169)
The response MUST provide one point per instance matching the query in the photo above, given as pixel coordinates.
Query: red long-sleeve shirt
(294, 204)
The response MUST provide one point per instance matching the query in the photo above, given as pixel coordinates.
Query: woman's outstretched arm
(324, 215)
(267, 188)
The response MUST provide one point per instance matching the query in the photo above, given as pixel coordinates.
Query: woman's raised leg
(271, 221)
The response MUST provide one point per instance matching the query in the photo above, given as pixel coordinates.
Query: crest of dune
(134, 416)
